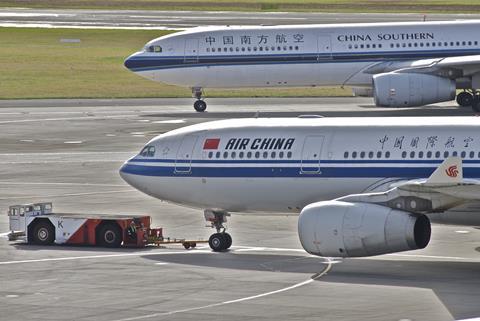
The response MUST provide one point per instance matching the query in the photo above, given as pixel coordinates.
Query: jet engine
(343, 229)
(409, 89)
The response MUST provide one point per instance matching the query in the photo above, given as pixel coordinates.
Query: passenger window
(240, 154)
(362, 155)
(280, 154)
(387, 154)
(354, 155)
(463, 154)
(437, 154)
(404, 154)
(454, 153)
(233, 155)
(412, 154)
(429, 154)
(472, 154)
(379, 154)
(289, 154)
(210, 154)
(257, 154)
(420, 154)
(445, 154)
(345, 155)
(265, 154)
(249, 155)
(370, 154)
(217, 155)
(273, 155)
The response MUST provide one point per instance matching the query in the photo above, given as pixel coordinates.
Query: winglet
(449, 172)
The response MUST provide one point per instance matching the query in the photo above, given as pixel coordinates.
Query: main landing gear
(469, 99)
(199, 105)
(221, 240)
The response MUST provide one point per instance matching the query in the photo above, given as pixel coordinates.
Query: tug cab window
(148, 151)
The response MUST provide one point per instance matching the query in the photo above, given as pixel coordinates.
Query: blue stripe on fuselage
(144, 63)
(274, 171)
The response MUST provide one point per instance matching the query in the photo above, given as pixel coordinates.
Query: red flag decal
(211, 143)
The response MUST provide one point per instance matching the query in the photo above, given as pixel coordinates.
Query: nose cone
(133, 61)
(124, 173)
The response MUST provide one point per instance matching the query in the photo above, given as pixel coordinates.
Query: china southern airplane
(399, 64)
(362, 186)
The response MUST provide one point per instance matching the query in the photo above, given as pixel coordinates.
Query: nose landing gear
(198, 105)
(221, 240)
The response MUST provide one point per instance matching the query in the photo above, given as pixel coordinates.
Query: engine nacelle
(342, 229)
(407, 90)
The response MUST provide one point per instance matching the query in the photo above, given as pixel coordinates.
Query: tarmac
(175, 20)
(69, 152)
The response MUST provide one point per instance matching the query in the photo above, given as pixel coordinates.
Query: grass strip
(38, 63)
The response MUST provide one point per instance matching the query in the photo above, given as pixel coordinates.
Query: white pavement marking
(65, 195)
(172, 121)
(65, 118)
(62, 184)
(89, 257)
(248, 298)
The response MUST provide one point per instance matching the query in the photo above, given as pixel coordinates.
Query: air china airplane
(362, 186)
(399, 64)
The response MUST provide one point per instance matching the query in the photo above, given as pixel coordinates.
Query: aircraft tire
(217, 242)
(476, 105)
(464, 99)
(200, 106)
(228, 240)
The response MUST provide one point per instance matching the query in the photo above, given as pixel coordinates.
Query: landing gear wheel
(43, 233)
(476, 104)
(464, 99)
(200, 106)
(228, 240)
(109, 235)
(217, 242)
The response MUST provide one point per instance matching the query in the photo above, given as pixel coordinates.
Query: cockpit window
(153, 49)
(148, 151)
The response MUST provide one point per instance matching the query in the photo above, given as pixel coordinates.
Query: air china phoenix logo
(452, 171)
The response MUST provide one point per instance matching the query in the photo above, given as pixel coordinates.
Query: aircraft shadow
(456, 284)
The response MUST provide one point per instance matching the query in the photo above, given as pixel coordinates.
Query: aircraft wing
(449, 67)
(444, 189)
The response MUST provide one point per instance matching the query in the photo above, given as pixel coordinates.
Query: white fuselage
(303, 55)
(281, 165)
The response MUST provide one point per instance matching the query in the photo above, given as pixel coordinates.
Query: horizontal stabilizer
(449, 172)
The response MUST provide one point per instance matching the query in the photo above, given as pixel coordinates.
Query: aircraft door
(324, 46)
(191, 51)
(183, 161)
(312, 149)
